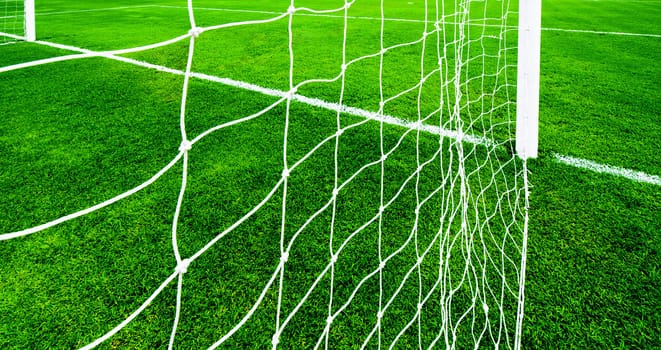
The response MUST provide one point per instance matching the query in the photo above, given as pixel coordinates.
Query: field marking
(600, 32)
(634, 175)
(12, 36)
(412, 21)
(336, 107)
(335, 16)
(79, 11)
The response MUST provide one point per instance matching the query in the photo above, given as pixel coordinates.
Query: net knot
(485, 307)
(195, 32)
(334, 258)
(419, 262)
(291, 10)
(437, 25)
(417, 211)
(185, 146)
(379, 315)
(182, 267)
(382, 209)
(420, 306)
(382, 265)
(384, 157)
(336, 191)
(284, 257)
(383, 51)
(275, 340)
(339, 132)
(329, 320)
(344, 67)
(285, 172)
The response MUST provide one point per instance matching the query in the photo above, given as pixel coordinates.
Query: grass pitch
(76, 133)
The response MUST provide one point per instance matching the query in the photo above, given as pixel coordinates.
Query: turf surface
(76, 133)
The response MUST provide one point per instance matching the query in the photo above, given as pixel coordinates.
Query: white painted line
(336, 16)
(637, 176)
(412, 21)
(91, 10)
(388, 119)
(336, 107)
(12, 36)
(315, 102)
(600, 32)
(79, 11)
(297, 13)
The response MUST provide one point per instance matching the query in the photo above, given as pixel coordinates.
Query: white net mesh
(11, 20)
(393, 213)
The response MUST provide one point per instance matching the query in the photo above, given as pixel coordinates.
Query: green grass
(79, 132)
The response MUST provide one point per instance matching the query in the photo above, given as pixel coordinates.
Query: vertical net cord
(382, 263)
(5, 17)
(182, 265)
(25, 23)
(339, 130)
(443, 244)
(518, 334)
(418, 256)
(285, 172)
(379, 315)
(502, 55)
(455, 119)
(481, 281)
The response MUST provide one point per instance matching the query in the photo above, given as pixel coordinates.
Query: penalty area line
(586, 164)
(315, 102)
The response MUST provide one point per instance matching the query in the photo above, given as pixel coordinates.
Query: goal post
(528, 70)
(29, 21)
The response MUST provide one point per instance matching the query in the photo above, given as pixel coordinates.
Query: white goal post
(528, 70)
(30, 23)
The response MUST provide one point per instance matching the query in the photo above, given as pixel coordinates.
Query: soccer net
(364, 191)
(17, 20)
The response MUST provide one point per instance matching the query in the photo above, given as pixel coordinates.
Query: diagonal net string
(480, 230)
